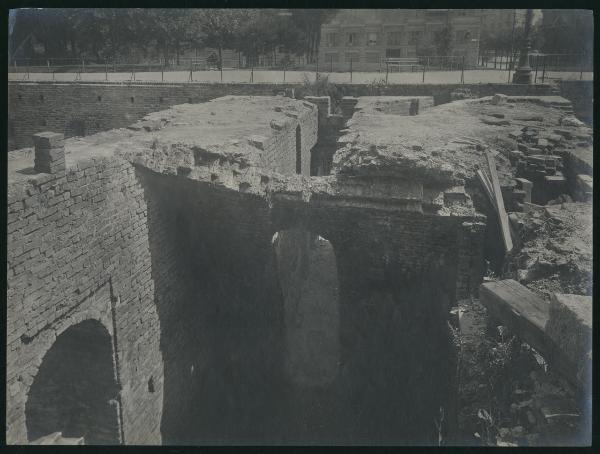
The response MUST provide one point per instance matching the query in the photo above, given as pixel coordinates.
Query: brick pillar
(49, 152)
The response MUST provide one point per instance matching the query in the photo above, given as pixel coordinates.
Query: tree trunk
(220, 63)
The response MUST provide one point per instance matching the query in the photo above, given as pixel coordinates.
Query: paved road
(432, 77)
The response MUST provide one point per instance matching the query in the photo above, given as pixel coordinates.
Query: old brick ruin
(248, 269)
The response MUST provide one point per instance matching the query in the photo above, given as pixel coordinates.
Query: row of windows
(394, 38)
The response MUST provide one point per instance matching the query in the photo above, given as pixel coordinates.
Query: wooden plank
(526, 314)
(502, 216)
(487, 186)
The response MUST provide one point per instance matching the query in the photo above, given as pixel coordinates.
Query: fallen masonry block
(555, 179)
(526, 186)
(526, 314)
(514, 134)
(499, 99)
(585, 187)
(570, 327)
(564, 133)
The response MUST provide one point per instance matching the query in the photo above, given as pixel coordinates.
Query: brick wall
(76, 108)
(77, 250)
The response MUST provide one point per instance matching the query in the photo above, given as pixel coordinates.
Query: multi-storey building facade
(365, 38)
(496, 21)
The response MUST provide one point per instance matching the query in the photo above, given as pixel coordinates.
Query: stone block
(570, 327)
(49, 152)
(499, 99)
(48, 140)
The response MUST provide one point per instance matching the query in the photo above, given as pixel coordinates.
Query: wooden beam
(487, 186)
(502, 216)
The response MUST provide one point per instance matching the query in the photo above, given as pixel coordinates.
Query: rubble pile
(509, 394)
(556, 253)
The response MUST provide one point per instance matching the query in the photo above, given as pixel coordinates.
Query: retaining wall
(87, 108)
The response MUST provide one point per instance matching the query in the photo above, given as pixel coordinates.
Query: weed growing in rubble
(321, 87)
(375, 85)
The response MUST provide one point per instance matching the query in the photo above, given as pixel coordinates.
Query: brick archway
(75, 391)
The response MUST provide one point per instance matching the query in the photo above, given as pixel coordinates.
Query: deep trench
(273, 332)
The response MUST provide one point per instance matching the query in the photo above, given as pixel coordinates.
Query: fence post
(162, 70)
(252, 72)
(537, 61)
(191, 69)
(317, 69)
(331, 63)
(350, 69)
(544, 69)
(284, 65)
(221, 67)
(495, 57)
(105, 70)
(462, 73)
(387, 70)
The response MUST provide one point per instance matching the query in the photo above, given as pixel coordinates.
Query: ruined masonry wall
(76, 241)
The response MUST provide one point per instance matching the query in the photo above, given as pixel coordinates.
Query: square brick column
(49, 152)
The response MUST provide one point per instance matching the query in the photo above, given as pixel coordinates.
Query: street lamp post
(523, 71)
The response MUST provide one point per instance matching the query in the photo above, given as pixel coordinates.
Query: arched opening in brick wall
(298, 149)
(308, 277)
(75, 128)
(75, 390)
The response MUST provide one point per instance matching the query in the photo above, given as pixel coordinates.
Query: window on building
(351, 56)
(331, 39)
(352, 39)
(467, 36)
(394, 38)
(371, 39)
(415, 37)
(332, 58)
(393, 53)
(372, 57)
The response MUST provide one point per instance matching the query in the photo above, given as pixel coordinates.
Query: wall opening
(298, 150)
(307, 271)
(75, 128)
(75, 390)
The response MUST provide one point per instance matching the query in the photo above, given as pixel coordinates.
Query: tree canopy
(130, 34)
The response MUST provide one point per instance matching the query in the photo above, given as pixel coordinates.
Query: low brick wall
(87, 108)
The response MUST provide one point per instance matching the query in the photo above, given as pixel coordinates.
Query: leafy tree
(310, 21)
(220, 27)
(443, 41)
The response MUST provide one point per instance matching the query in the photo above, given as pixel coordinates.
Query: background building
(567, 31)
(367, 37)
